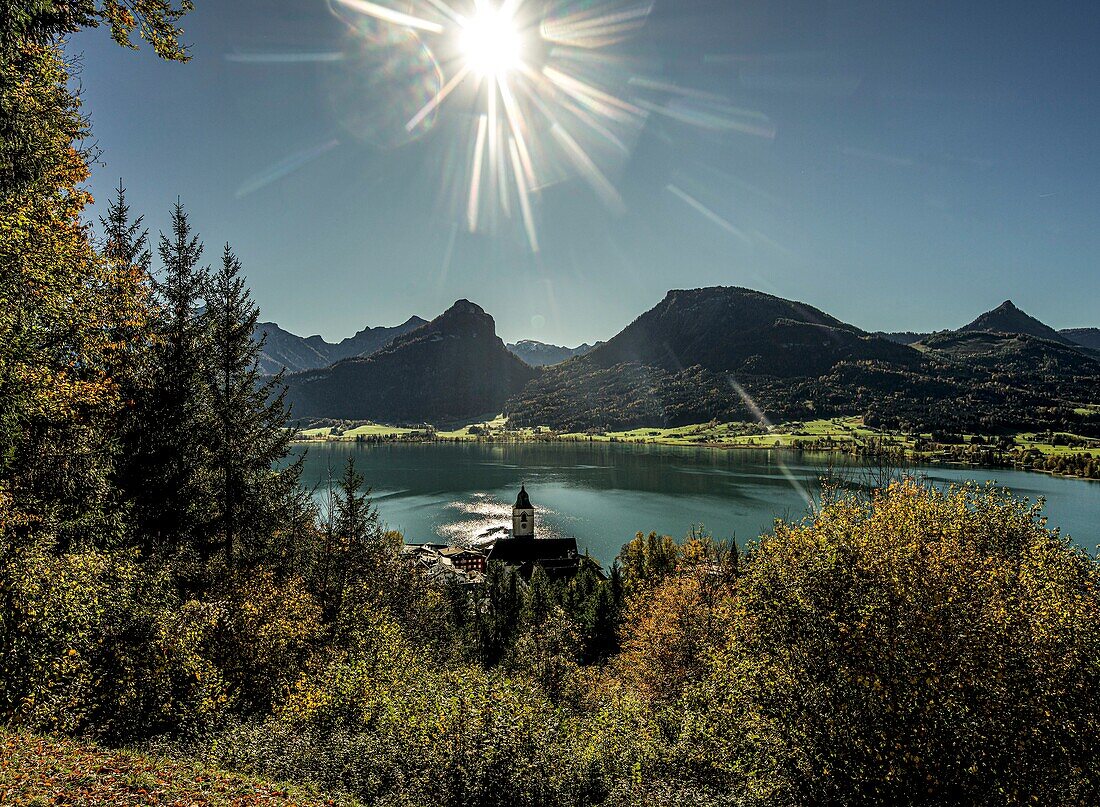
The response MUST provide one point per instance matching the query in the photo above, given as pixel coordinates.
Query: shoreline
(832, 445)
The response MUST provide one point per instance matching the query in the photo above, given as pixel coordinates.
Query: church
(522, 550)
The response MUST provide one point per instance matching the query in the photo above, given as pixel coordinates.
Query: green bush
(922, 647)
(96, 642)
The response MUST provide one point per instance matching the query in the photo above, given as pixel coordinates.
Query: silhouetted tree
(168, 476)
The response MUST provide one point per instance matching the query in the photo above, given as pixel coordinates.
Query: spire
(523, 516)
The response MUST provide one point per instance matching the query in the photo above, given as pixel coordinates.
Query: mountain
(901, 337)
(734, 329)
(684, 361)
(453, 368)
(1085, 337)
(285, 350)
(736, 354)
(540, 354)
(1007, 318)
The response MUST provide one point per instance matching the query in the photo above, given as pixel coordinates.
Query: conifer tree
(353, 540)
(168, 478)
(126, 289)
(126, 241)
(250, 435)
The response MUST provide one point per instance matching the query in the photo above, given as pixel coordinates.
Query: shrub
(922, 647)
(95, 642)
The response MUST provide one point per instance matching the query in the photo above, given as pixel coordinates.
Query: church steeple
(523, 516)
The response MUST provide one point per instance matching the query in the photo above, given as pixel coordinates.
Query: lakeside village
(517, 548)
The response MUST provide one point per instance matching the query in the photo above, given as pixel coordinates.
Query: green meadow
(841, 434)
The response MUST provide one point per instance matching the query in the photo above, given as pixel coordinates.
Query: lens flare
(491, 43)
(546, 105)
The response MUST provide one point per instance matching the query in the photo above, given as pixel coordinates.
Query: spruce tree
(249, 436)
(353, 541)
(126, 242)
(126, 289)
(168, 477)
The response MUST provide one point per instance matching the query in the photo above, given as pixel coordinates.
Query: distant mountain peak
(1008, 318)
(287, 351)
(541, 354)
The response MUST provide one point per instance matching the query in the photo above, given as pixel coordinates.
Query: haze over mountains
(719, 353)
(1086, 337)
(284, 350)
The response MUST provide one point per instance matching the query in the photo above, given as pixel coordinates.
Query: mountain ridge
(728, 353)
(284, 350)
(541, 354)
(450, 368)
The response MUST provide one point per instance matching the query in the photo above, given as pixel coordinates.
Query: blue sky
(916, 163)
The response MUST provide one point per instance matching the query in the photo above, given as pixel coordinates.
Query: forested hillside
(735, 354)
(454, 368)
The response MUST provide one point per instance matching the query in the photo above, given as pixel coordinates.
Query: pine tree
(250, 435)
(353, 541)
(167, 477)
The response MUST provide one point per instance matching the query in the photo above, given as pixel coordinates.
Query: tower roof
(523, 501)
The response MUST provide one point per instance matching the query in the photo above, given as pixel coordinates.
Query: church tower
(523, 516)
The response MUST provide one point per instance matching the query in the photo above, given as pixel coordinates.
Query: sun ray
(392, 16)
(588, 169)
(707, 213)
(439, 98)
(284, 167)
(524, 200)
(473, 206)
(596, 28)
(515, 122)
(597, 100)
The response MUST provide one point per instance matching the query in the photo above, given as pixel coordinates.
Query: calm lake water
(604, 493)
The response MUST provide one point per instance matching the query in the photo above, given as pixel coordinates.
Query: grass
(38, 771)
(843, 433)
(364, 430)
(497, 424)
(1029, 440)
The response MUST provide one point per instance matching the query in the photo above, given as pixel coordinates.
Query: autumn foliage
(920, 647)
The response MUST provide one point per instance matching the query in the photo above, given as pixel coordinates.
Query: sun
(491, 43)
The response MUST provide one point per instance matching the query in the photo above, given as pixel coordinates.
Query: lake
(603, 493)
